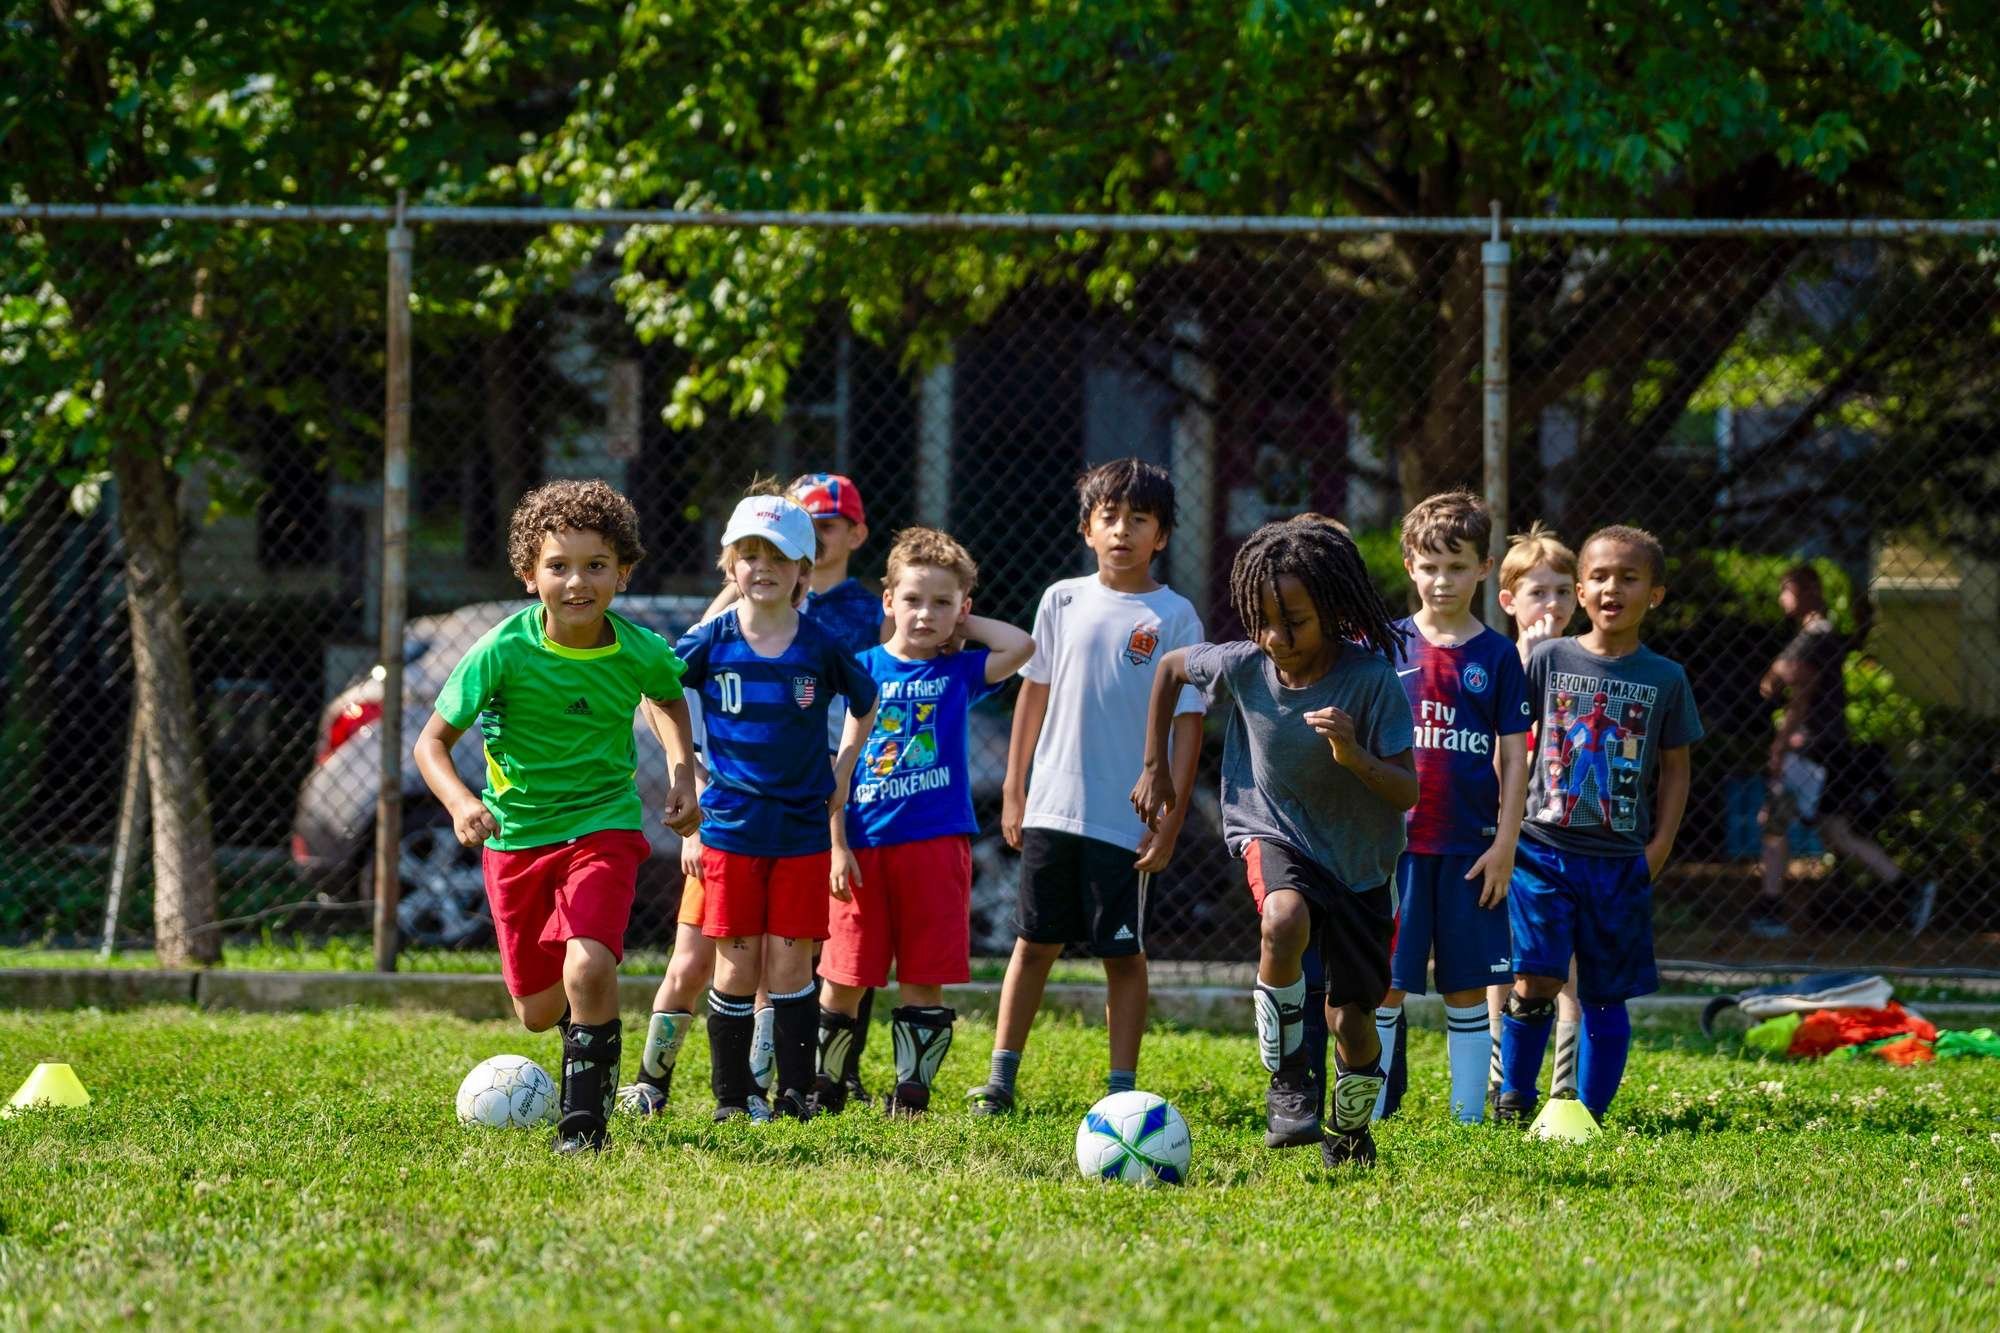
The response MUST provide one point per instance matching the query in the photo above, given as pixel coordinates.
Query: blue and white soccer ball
(506, 1092)
(1135, 1137)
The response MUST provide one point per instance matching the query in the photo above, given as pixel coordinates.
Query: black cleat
(753, 1108)
(1291, 1110)
(1348, 1147)
(855, 1091)
(1511, 1108)
(828, 1095)
(578, 1134)
(991, 1099)
(908, 1100)
(792, 1105)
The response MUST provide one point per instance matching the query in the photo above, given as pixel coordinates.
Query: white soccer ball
(1135, 1137)
(506, 1092)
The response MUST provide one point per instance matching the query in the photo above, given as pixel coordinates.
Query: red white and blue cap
(778, 521)
(829, 495)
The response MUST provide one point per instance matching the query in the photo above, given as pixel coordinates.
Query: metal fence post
(395, 562)
(1496, 256)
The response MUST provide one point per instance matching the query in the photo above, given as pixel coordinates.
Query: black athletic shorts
(1354, 929)
(1079, 890)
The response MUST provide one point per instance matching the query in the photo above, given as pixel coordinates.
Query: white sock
(1385, 1031)
(1467, 1043)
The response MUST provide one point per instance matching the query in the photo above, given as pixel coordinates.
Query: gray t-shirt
(1279, 778)
(1601, 723)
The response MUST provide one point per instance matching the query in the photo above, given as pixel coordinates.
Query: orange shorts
(692, 898)
(764, 895)
(913, 904)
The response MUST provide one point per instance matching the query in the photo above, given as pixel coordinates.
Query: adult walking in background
(1816, 775)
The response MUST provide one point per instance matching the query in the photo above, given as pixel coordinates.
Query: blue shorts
(1440, 915)
(1597, 909)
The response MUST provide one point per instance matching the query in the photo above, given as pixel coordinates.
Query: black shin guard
(591, 1053)
(796, 1025)
(731, 1023)
(852, 1072)
(836, 1045)
(922, 1036)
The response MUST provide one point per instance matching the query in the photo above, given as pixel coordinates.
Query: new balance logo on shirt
(581, 708)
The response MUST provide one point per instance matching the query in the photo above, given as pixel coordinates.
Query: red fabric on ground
(1831, 1029)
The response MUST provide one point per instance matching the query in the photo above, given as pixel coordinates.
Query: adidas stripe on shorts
(1080, 890)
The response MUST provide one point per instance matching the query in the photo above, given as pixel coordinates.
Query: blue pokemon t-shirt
(764, 734)
(912, 782)
(852, 615)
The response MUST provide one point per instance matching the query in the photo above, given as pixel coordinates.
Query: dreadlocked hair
(1325, 559)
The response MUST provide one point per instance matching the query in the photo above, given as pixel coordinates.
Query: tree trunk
(184, 896)
(1443, 448)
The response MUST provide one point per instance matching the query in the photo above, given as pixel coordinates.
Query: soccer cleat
(856, 1092)
(1291, 1110)
(642, 1099)
(991, 1099)
(1511, 1108)
(909, 1099)
(792, 1105)
(829, 1095)
(577, 1134)
(753, 1108)
(1349, 1147)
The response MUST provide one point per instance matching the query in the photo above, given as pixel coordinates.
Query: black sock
(1398, 1073)
(731, 1023)
(922, 1036)
(796, 1024)
(852, 1073)
(591, 1053)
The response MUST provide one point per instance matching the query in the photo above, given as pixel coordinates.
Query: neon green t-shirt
(557, 722)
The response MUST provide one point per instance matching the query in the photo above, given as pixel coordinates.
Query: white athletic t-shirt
(1096, 650)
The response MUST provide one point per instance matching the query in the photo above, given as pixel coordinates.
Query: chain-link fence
(1758, 400)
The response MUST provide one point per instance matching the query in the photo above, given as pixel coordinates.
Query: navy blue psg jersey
(764, 723)
(1461, 698)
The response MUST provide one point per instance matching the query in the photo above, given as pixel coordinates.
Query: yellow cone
(50, 1085)
(1564, 1118)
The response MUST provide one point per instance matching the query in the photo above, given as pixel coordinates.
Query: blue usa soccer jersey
(1461, 699)
(764, 720)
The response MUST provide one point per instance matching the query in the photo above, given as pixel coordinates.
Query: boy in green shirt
(553, 688)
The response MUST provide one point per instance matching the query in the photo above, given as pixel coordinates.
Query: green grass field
(307, 1170)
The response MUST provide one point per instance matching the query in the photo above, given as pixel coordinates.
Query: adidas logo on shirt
(581, 708)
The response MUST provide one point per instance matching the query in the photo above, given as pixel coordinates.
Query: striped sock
(1467, 1040)
(1385, 1032)
(729, 1034)
(1122, 1080)
(1563, 1082)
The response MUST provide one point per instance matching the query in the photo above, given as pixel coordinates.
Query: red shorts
(764, 895)
(913, 904)
(543, 897)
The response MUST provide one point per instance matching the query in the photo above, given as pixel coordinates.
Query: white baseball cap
(783, 523)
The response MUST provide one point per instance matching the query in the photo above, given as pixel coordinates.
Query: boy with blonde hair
(906, 848)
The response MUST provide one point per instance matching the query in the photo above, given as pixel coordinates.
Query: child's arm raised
(1671, 804)
(1155, 795)
(1031, 708)
(1495, 866)
(471, 821)
(1007, 648)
